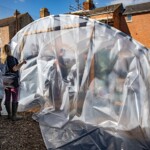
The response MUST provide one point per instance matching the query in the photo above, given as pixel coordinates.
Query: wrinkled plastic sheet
(78, 135)
(90, 80)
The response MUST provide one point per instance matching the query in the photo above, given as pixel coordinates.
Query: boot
(15, 117)
(7, 106)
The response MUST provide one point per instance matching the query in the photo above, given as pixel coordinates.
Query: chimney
(88, 5)
(44, 12)
(16, 13)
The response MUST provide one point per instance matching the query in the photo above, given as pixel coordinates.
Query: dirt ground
(20, 135)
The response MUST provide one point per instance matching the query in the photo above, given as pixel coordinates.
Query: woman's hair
(6, 51)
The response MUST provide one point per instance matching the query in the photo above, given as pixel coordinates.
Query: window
(129, 18)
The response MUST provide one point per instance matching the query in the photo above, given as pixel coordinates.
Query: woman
(1, 86)
(13, 66)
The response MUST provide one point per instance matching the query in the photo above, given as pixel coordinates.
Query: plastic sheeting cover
(88, 78)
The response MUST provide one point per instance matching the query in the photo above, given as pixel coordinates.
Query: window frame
(129, 18)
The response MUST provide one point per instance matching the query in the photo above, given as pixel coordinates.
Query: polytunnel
(90, 80)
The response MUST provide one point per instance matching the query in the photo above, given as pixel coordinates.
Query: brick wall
(23, 21)
(12, 30)
(4, 35)
(102, 16)
(8, 32)
(117, 17)
(124, 26)
(114, 18)
(139, 28)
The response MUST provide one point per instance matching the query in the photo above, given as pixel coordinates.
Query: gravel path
(20, 135)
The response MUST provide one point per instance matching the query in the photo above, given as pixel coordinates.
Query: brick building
(11, 25)
(137, 22)
(134, 20)
(110, 14)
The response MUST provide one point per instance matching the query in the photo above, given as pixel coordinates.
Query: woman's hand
(18, 66)
(24, 61)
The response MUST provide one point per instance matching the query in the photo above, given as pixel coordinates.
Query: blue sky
(8, 7)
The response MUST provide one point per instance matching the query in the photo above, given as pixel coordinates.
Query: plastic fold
(90, 80)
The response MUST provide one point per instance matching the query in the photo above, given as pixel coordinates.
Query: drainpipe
(16, 18)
